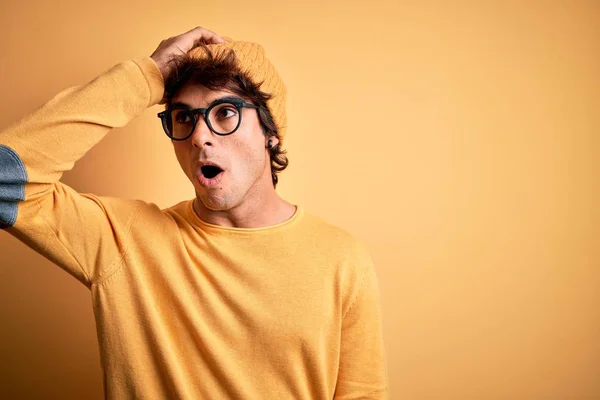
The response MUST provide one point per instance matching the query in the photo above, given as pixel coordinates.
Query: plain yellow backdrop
(457, 139)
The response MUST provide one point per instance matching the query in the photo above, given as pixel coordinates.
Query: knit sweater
(185, 309)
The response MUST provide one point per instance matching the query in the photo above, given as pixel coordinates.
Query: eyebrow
(226, 98)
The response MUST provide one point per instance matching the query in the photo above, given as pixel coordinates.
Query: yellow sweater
(185, 309)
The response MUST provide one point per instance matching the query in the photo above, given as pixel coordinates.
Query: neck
(269, 209)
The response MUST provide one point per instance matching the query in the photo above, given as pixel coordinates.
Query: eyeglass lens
(223, 117)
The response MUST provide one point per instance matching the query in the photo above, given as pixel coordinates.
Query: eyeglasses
(223, 118)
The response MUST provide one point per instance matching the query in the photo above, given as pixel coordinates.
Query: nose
(202, 135)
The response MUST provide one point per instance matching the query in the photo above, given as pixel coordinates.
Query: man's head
(247, 161)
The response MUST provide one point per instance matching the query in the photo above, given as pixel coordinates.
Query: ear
(273, 139)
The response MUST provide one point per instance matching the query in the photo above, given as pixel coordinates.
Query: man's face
(242, 156)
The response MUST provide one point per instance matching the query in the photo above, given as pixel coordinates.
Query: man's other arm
(363, 368)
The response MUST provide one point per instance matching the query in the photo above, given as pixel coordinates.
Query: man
(236, 294)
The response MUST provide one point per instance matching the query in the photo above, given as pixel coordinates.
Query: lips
(209, 173)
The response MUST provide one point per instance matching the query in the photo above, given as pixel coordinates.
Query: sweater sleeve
(84, 234)
(363, 369)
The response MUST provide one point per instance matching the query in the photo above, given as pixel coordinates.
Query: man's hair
(221, 72)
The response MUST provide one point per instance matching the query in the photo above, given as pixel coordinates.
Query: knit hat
(252, 60)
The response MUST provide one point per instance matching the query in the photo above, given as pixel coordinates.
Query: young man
(236, 294)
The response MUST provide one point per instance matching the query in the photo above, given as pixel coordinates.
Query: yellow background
(458, 139)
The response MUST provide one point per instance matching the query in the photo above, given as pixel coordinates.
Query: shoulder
(341, 250)
(178, 211)
(349, 257)
(143, 216)
(336, 239)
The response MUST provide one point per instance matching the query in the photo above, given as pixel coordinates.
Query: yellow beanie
(252, 60)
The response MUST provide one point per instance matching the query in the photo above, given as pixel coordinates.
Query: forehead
(198, 96)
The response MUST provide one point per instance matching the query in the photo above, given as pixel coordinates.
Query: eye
(182, 117)
(226, 112)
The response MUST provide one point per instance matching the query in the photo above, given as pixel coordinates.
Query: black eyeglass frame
(238, 104)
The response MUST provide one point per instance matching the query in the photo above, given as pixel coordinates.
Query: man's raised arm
(82, 233)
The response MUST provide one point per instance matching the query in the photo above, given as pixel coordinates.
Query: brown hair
(222, 72)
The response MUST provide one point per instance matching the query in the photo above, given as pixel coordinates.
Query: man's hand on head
(181, 44)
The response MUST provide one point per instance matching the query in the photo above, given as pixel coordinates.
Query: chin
(215, 202)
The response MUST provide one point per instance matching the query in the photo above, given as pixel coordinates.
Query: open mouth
(210, 171)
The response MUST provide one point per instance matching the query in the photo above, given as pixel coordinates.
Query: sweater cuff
(156, 83)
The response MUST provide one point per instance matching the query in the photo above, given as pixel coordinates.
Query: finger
(197, 28)
(212, 37)
(194, 37)
(200, 33)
